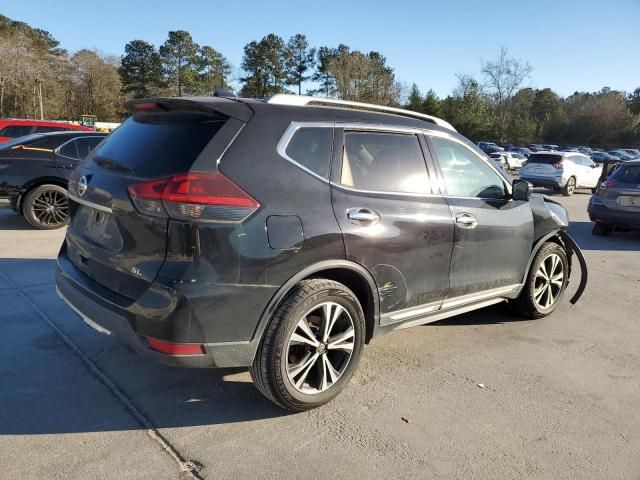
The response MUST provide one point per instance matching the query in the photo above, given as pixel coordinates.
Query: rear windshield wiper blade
(111, 164)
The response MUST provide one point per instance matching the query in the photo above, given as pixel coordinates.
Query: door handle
(362, 216)
(466, 220)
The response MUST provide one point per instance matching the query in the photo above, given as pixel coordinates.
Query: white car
(512, 160)
(564, 171)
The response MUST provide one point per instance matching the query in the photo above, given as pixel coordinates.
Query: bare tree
(502, 78)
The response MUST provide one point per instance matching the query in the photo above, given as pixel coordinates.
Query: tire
(507, 166)
(570, 187)
(594, 190)
(46, 207)
(533, 300)
(601, 229)
(276, 369)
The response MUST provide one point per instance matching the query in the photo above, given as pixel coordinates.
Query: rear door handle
(466, 220)
(362, 216)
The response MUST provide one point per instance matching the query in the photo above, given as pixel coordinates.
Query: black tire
(271, 369)
(527, 304)
(570, 187)
(594, 190)
(601, 229)
(38, 200)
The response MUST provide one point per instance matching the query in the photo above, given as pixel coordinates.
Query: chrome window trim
(288, 135)
(57, 150)
(86, 203)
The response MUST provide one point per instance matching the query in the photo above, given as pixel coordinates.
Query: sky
(572, 45)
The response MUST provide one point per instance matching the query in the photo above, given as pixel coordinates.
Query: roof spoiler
(209, 105)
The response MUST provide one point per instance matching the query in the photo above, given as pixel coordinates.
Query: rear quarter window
(159, 144)
(311, 148)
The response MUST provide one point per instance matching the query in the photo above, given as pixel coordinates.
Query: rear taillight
(609, 183)
(193, 196)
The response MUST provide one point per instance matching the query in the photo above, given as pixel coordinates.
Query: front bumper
(614, 217)
(156, 314)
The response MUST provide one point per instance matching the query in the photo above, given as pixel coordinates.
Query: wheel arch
(352, 275)
(554, 236)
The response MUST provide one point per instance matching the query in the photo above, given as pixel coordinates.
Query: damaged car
(285, 234)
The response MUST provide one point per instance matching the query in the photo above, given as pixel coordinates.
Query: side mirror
(522, 190)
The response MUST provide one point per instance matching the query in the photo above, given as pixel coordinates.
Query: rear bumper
(159, 313)
(547, 182)
(614, 217)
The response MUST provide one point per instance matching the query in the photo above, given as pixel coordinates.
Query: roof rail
(304, 100)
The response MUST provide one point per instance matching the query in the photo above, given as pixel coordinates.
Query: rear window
(158, 144)
(544, 159)
(627, 174)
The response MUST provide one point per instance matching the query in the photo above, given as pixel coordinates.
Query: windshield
(627, 174)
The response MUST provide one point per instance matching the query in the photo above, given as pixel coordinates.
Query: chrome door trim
(441, 315)
(427, 312)
(86, 203)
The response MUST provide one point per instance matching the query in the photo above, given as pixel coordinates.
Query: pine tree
(301, 59)
(140, 69)
(179, 56)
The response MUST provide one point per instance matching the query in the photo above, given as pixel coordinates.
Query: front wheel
(546, 282)
(312, 346)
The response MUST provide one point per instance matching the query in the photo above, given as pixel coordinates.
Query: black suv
(34, 171)
(285, 234)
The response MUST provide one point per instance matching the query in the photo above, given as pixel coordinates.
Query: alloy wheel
(571, 186)
(549, 281)
(320, 347)
(50, 208)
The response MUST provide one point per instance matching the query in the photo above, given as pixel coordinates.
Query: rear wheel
(601, 229)
(46, 207)
(570, 187)
(311, 347)
(546, 282)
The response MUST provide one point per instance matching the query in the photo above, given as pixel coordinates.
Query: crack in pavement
(191, 468)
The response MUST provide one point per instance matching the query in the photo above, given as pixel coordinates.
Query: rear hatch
(543, 164)
(119, 216)
(622, 189)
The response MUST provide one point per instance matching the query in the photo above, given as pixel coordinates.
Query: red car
(11, 128)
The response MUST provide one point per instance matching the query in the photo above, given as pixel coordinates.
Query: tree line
(38, 78)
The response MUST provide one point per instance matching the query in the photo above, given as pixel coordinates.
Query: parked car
(489, 147)
(498, 160)
(509, 160)
(34, 171)
(616, 204)
(550, 147)
(216, 232)
(632, 152)
(11, 128)
(600, 157)
(561, 171)
(621, 154)
(521, 150)
(535, 147)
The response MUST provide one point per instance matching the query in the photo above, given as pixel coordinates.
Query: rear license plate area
(628, 201)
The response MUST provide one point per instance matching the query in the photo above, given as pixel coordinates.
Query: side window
(69, 150)
(466, 174)
(15, 131)
(384, 162)
(311, 148)
(48, 129)
(85, 145)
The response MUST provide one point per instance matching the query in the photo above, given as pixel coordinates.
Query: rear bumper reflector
(170, 348)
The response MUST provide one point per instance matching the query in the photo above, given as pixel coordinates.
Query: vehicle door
(393, 220)
(493, 233)
(591, 172)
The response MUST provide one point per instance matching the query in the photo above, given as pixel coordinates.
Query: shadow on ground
(47, 389)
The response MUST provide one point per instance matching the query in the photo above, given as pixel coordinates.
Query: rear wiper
(111, 164)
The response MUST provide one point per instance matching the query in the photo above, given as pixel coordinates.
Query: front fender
(584, 274)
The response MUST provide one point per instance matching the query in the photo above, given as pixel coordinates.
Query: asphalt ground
(559, 397)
